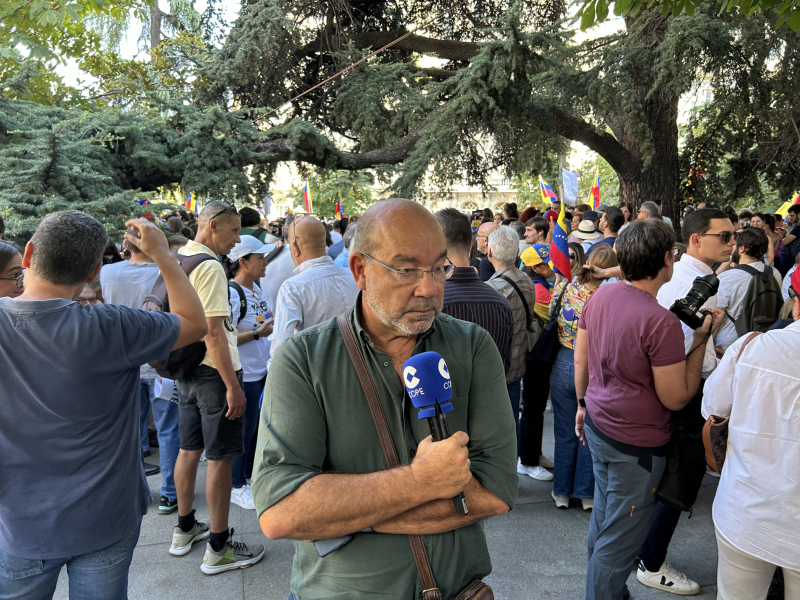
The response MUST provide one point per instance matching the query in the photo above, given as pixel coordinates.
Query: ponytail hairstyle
(602, 257)
(231, 267)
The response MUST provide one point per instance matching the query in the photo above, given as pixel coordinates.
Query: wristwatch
(581, 402)
(255, 332)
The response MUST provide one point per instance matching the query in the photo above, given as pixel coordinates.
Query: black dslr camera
(687, 308)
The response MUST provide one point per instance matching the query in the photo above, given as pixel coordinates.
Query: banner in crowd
(570, 180)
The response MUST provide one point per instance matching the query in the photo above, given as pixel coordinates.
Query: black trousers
(535, 390)
(654, 549)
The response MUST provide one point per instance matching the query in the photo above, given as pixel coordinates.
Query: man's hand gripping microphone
(428, 383)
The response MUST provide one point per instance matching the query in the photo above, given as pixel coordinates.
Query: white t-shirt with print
(253, 355)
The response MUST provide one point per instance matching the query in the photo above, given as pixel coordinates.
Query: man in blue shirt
(73, 489)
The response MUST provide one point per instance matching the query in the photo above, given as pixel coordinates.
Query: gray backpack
(762, 302)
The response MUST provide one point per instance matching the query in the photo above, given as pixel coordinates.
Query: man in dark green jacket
(320, 472)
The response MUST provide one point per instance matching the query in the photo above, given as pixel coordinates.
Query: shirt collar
(698, 265)
(198, 247)
(502, 270)
(463, 275)
(314, 262)
(355, 316)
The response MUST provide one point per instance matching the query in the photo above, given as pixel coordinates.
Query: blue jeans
(252, 393)
(98, 575)
(624, 503)
(165, 416)
(514, 391)
(573, 473)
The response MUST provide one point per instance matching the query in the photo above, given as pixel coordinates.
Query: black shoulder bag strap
(242, 298)
(430, 591)
(271, 256)
(521, 295)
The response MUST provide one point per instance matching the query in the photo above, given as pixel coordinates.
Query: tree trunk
(155, 28)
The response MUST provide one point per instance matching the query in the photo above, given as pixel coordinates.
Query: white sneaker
(667, 578)
(561, 501)
(549, 406)
(242, 497)
(536, 472)
(587, 503)
(546, 462)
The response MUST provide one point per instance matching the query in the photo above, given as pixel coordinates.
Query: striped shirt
(519, 339)
(467, 298)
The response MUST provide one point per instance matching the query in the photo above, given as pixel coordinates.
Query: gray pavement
(538, 551)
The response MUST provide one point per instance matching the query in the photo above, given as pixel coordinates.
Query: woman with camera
(572, 474)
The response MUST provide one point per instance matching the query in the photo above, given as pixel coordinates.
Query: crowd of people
(286, 345)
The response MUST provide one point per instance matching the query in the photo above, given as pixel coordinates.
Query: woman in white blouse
(757, 506)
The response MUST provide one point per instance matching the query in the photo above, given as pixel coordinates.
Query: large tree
(510, 87)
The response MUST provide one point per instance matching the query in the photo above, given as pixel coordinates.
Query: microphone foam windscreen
(427, 380)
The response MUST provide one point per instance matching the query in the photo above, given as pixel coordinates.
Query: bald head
(484, 231)
(406, 240)
(395, 221)
(309, 233)
(307, 239)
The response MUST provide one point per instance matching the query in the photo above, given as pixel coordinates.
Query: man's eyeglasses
(414, 275)
(18, 279)
(724, 236)
(792, 293)
(228, 207)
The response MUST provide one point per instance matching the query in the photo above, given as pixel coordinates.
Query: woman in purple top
(630, 372)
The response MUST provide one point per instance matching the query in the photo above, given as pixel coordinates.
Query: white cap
(248, 245)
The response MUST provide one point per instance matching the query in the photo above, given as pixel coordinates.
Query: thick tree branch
(605, 144)
(449, 49)
(280, 150)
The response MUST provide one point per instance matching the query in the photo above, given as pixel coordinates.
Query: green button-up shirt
(315, 418)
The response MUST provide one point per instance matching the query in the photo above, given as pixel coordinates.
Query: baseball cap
(248, 245)
(602, 207)
(795, 281)
(550, 214)
(536, 255)
(591, 215)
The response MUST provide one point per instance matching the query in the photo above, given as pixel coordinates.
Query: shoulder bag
(715, 431)
(477, 590)
(544, 351)
(534, 326)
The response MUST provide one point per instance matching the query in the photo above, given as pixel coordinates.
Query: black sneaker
(167, 506)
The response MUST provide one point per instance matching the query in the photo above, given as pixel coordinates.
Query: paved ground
(538, 552)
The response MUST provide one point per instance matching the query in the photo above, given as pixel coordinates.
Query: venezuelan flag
(191, 202)
(596, 190)
(548, 195)
(307, 198)
(559, 249)
(338, 210)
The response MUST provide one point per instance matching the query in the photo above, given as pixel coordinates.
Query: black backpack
(181, 362)
(762, 302)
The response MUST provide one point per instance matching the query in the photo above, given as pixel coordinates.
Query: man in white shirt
(708, 235)
(751, 245)
(127, 283)
(279, 269)
(757, 507)
(336, 234)
(318, 291)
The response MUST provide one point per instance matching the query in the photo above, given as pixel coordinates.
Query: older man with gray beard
(320, 471)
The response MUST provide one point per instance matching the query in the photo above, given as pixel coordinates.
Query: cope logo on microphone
(412, 382)
(446, 374)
